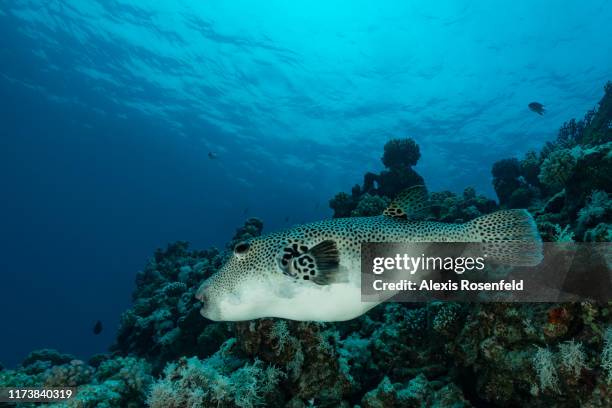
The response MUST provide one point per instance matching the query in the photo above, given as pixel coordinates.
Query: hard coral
(342, 204)
(506, 181)
(544, 365)
(506, 169)
(599, 125)
(220, 380)
(165, 321)
(369, 205)
(401, 154)
(558, 167)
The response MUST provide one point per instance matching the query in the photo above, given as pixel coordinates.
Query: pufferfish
(312, 272)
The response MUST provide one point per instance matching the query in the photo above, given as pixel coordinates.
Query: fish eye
(241, 248)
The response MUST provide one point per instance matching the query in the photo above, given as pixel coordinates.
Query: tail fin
(511, 237)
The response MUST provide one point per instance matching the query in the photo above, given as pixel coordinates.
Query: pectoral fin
(320, 264)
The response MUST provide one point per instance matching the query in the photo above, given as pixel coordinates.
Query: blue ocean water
(109, 110)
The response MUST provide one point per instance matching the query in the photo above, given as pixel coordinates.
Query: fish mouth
(207, 310)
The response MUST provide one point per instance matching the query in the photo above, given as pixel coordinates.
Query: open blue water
(108, 110)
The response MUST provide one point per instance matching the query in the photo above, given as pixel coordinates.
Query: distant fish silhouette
(287, 219)
(97, 329)
(537, 107)
(212, 155)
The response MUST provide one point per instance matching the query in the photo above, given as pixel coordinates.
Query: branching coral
(573, 357)
(214, 381)
(543, 363)
(280, 333)
(563, 234)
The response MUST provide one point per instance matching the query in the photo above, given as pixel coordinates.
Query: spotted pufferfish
(312, 272)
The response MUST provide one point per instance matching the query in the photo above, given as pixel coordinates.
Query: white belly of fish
(303, 301)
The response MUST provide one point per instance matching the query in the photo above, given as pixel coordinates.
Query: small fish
(286, 219)
(212, 155)
(312, 272)
(97, 329)
(537, 107)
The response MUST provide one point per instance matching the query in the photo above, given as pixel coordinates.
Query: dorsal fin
(412, 203)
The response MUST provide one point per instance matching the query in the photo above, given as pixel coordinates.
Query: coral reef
(379, 189)
(220, 380)
(450, 207)
(399, 157)
(165, 322)
(438, 354)
(567, 186)
(116, 382)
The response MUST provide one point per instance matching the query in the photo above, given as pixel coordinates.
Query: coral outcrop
(567, 186)
(438, 354)
(399, 157)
